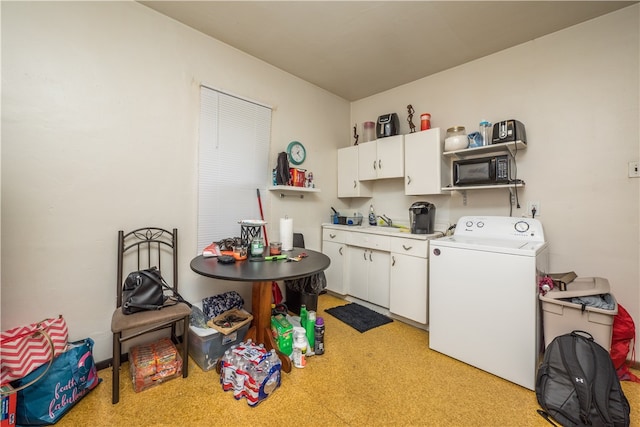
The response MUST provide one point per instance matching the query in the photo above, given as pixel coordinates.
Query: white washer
(483, 295)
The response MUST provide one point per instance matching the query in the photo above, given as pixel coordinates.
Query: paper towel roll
(286, 233)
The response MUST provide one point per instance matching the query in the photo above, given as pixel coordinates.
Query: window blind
(233, 161)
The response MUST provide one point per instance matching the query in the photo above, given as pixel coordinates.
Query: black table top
(248, 271)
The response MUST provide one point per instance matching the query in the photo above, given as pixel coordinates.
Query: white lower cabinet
(408, 278)
(388, 271)
(333, 246)
(368, 275)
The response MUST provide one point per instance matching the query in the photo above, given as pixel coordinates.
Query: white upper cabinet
(425, 168)
(349, 184)
(382, 158)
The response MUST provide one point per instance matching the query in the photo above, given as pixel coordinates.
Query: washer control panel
(500, 227)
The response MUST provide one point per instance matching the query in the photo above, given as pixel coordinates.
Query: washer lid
(517, 247)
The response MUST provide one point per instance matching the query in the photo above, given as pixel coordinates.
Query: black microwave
(482, 171)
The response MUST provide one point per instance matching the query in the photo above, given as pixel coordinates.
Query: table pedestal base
(260, 330)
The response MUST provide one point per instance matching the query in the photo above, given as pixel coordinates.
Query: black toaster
(388, 125)
(508, 131)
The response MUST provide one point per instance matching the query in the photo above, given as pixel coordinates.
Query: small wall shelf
(288, 190)
(463, 190)
(511, 147)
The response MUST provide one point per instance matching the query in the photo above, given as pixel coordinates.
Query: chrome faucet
(386, 219)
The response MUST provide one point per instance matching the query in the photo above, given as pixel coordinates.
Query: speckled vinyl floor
(384, 377)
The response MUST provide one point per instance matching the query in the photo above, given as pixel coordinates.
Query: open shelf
(510, 147)
(463, 190)
(288, 190)
(483, 187)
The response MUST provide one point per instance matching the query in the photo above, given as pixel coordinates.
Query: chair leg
(185, 348)
(115, 391)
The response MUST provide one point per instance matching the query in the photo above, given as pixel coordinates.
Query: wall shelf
(288, 190)
(511, 147)
(463, 190)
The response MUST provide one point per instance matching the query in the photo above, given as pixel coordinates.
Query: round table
(261, 274)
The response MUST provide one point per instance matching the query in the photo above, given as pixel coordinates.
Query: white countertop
(385, 231)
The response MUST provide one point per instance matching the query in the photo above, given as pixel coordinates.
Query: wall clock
(297, 153)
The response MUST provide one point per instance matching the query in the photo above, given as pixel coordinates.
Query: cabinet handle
(370, 253)
(406, 248)
(333, 236)
(365, 255)
(379, 164)
(393, 261)
(340, 250)
(374, 165)
(355, 184)
(408, 180)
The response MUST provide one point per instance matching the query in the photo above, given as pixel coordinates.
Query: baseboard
(104, 364)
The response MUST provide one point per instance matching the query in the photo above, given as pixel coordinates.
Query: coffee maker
(422, 216)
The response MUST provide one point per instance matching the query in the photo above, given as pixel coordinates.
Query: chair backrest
(145, 248)
(298, 240)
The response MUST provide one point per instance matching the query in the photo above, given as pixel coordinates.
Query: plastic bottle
(310, 328)
(486, 131)
(318, 347)
(372, 216)
(299, 347)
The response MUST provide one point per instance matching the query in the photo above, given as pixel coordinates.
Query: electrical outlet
(634, 169)
(531, 206)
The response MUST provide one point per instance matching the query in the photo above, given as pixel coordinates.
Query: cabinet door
(378, 275)
(390, 157)
(349, 184)
(347, 171)
(334, 273)
(367, 161)
(408, 287)
(358, 269)
(423, 163)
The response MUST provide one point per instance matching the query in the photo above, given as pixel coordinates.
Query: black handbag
(144, 290)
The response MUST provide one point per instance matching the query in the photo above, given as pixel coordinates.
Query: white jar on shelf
(456, 139)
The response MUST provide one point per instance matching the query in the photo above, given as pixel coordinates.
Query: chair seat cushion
(121, 322)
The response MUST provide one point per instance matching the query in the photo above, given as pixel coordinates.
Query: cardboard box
(154, 363)
(282, 332)
(206, 346)
(8, 414)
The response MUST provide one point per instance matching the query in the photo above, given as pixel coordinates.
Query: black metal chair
(137, 250)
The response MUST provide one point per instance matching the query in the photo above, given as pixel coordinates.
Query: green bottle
(304, 316)
(310, 328)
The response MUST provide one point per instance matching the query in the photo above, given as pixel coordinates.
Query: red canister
(425, 121)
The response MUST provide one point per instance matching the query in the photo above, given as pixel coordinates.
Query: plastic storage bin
(561, 317)
(294, 299)
(206, 346)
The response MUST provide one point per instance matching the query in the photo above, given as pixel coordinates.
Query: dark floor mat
(358, 317)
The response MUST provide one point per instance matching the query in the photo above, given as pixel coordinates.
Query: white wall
(577, 92)
(100, 104)
(98, 96)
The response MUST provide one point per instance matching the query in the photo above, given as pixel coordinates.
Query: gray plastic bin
(561, 317)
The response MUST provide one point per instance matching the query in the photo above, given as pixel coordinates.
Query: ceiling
(355, 49)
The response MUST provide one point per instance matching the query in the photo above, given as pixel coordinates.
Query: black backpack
(577, 384)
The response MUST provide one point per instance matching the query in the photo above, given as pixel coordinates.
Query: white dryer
(483, 295)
